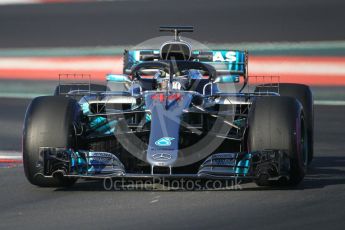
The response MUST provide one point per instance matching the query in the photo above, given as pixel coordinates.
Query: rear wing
(224, 61)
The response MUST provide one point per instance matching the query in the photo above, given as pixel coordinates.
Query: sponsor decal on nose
(164, 141)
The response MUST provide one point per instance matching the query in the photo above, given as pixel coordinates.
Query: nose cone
(166, 111)
(164, 137)
(161, 157)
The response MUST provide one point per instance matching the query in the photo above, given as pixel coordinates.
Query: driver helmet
(162, 80)
(194, 74)
(190, 75)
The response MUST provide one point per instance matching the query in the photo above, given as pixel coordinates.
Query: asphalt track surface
(318, 203)
(132, 21)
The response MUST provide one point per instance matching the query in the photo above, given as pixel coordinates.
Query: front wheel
(49, 122)
(278, 123)
(304, 95)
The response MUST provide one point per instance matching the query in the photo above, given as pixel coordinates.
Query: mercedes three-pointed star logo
(161, 156)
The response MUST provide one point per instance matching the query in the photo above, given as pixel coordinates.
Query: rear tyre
(48, 123)
(278, 123)
(304, 95)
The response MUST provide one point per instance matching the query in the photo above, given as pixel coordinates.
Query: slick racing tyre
(304, 95)
(277, 122)
(49, 122)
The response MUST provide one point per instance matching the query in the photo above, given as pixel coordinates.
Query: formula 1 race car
(177, 111)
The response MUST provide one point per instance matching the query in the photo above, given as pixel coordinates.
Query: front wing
(267, 164)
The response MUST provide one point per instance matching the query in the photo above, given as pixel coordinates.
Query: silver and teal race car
(177, 111)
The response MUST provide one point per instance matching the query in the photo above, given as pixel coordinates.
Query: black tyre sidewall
(48, 123)
(304, 95)
(275, 123)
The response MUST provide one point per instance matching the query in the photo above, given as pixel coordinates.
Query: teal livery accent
(91, 162)
(99, 124)
(148, 117)
(242, 166)
(103, 125)
(117, 78)
(107, 128)
(228, 79)
(85, 108)
(164, 141)
(230, 60)
(233, 61)
(240, 122)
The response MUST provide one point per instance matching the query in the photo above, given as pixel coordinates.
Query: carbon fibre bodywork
(269, 164)
(170, 117)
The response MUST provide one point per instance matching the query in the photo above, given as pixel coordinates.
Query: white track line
(10, 155)
(297, 67)
(52, 64)
(11, 2)
(329, 102)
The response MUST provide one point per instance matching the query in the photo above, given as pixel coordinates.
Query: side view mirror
(227, 79)
(119, 78)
